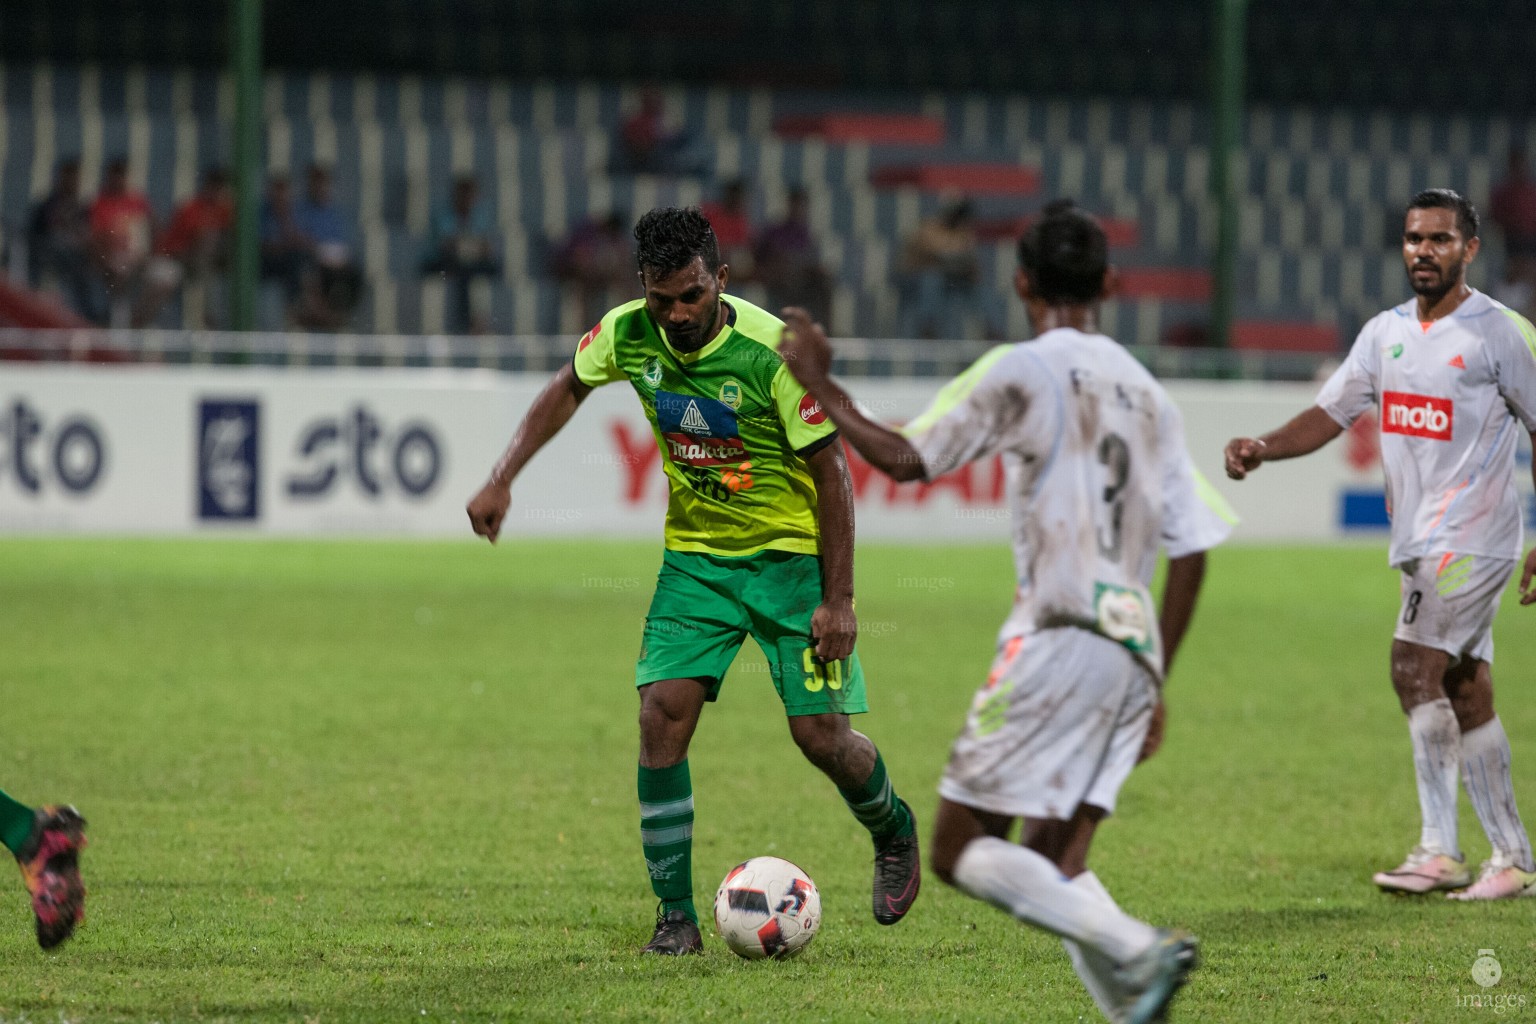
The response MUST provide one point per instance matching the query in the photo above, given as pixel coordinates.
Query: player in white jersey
(1098, 479)
(1454, 376)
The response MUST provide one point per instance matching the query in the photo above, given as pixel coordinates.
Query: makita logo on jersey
(698, 431)
(1416, 415)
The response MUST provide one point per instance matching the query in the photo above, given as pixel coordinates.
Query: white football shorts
(1449, 603)
(1059, 722)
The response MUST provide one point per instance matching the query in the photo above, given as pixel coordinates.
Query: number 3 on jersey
(819, 674)
(1115, 456)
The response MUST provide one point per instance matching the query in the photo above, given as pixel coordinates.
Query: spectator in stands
(1513, 209)
(284, 254)
(198, 239)
(331, 283)
(1514, 205)
(122, 228)
(788, 261)
(463, 247)
(58, 241)
(942, 269)
(733, 229)
(598, 262)
(647, 145)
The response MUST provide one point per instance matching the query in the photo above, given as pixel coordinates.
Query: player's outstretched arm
(1303, 435)
(833, 623)
(550, 411)
(808, 354)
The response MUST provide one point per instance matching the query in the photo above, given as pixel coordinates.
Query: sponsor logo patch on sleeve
(811, 411)
(1417, 415)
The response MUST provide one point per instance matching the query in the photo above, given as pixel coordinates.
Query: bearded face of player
(1435, 253)
(686, 303)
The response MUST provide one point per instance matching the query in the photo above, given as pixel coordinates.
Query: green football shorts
(704, 607)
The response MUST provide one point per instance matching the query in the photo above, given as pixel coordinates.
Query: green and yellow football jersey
(733, 426)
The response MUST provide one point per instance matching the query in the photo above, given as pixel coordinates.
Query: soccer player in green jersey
(759, 540)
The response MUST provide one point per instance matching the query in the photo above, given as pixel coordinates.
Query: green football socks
(876, 806)
(666, 834)
(15, 822)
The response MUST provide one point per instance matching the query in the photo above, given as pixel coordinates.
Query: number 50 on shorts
(821, 674)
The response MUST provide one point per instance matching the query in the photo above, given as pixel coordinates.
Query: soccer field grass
(388, 781)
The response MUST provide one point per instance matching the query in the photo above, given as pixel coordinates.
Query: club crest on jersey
(730, 394)
(698, 431)
(1123, 616)
(650, 372)
(1417, 415)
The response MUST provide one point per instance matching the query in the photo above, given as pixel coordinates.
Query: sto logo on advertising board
(1417, 415)
(359, 446)
(71, 454)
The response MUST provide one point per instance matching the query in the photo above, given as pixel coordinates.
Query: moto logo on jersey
(698, 431)
(1416, 415)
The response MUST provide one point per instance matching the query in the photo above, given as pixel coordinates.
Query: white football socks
(1486, 774)
(1436, 763)
(1096, 970)
(1028, 886)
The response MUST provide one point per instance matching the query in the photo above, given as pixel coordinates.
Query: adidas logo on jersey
(1458, 362)
(1417, 415)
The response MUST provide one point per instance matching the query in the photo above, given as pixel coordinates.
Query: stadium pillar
(245, 57)
(1227, 73)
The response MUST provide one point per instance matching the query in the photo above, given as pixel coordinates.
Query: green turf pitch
(388, 782)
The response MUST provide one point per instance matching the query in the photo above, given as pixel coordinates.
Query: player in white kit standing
(1454, 375)
(1098, 478)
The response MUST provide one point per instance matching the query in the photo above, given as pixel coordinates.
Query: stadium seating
(1321, 191)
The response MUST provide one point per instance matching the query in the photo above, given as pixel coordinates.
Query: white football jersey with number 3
(1098, 478)
(1453, 397)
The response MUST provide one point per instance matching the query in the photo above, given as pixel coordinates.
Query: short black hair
(1065, 254)
(1448, 199)
(669, 238)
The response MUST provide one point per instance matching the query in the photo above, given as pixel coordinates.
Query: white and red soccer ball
(767, 907)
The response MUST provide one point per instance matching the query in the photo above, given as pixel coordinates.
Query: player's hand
(488, 509)
(804, 347)
(1243, 456)
(834, 627)
(1527, 576)
(1154, 741)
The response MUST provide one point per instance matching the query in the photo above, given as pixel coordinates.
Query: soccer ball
(767, 907)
